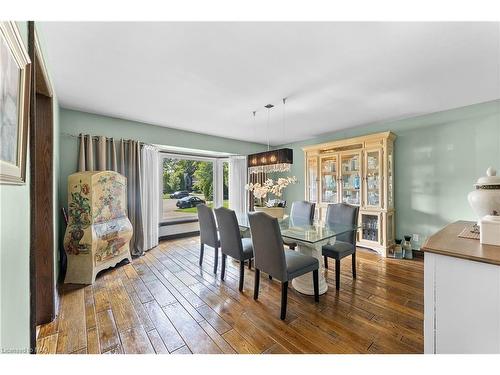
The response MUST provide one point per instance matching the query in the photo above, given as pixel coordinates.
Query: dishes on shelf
(373, 198)
(329, 166)
(372, 162)
(370, 227)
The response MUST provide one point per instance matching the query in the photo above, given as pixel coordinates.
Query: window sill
(177, 222)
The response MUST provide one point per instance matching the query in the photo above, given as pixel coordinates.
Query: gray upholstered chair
(208, 233)
(273, 259)
(231, 242)
(345, 243)
(300, 211)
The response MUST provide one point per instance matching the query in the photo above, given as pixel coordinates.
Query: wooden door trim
(42, 287)
(43, 85)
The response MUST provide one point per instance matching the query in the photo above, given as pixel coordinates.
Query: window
(188, 181)
(225, 183)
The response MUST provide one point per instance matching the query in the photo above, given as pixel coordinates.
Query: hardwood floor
(165, 303)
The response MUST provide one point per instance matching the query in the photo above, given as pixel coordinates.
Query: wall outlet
(415, 237)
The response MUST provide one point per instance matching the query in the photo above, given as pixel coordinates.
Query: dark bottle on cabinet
(407, 250)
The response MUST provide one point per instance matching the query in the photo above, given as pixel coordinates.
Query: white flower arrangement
(260, 191)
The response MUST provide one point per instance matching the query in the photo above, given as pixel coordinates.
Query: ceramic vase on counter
(485, 199)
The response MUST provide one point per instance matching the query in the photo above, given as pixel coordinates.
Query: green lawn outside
(194, 210)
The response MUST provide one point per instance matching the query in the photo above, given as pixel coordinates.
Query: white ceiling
(209, 77)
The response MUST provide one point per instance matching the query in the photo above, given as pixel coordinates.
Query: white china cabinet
(357, 171)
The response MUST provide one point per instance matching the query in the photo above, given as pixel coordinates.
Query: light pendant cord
(283, 121)
(256, 133)
(268, 106)
(268, 117)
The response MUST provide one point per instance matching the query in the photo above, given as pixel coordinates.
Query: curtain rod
(180, 153)
(96, 137)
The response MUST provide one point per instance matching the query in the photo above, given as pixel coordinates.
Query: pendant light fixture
(271, 160)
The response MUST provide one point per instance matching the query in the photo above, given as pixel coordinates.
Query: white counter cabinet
(461, 294)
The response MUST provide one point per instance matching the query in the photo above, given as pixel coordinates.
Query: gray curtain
(101, 154)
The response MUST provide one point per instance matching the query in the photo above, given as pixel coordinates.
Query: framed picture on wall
(14, 104)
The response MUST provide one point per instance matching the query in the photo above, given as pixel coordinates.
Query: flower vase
(277, 212)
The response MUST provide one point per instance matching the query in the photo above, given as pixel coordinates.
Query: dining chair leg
(256, 284)
(223, 267)
(284, 295)
(202, 248)
(326, 261)
(270, 277)
(216, 259)
(354, 265)
(316, 285)
(337, 274)
(242, 274)
(249, 264)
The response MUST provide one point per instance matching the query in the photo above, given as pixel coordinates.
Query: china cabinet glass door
(370, 227)
(350, 172)
(312, 179)
(329, 188)
(373, 178)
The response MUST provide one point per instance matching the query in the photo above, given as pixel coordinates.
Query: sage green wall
(438, 157)
(15, 243)
(76, 122)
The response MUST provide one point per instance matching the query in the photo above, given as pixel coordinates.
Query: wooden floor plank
(101, 300)
(141, 312)
(157, 342)
(90, 320)
(166, 330)
(277, 349)
(142, 291)
(195, 337)
(81, 351)
(48, 329)
(259, 338)
(116, 350)
(47, 344)
(130, 271)
(217, 338)
(239, 343)
(186, 278)
(123, 311)
(72, 331)
(183, 350)
(174, 290)
(136, 341)
(93, 346)
(160, 293)
(108, 334)
(219, 324)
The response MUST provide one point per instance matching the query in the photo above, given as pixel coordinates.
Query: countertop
(447, 242)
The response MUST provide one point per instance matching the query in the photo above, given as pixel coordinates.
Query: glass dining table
(310, 236)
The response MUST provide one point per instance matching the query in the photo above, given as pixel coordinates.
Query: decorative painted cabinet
(357, 171)
(98, 232)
